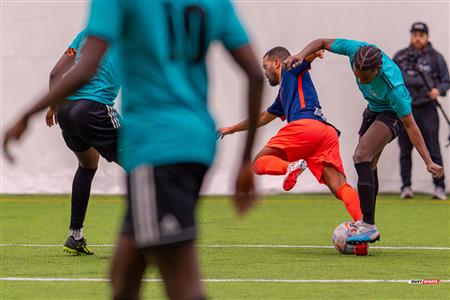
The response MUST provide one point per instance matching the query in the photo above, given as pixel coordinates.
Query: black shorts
(161, 203)
(387, 117)
(87, 123)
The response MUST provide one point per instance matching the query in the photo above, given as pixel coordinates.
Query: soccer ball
(340, 235)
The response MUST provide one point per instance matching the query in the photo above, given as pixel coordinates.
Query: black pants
(427, 120)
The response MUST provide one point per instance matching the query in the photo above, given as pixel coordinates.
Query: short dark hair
(278, 52)
(367, 58)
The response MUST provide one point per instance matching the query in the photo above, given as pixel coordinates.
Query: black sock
(81, 190)
(366, 186)
(377, 185)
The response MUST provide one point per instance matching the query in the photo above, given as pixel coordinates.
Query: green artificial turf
(233, 247)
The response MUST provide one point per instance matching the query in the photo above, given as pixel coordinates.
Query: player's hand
(434, 94)
(14, 133)
(320, 54)
(221, 132)
(50, 117)
(293, 61)
(436, 170)
(245, 195)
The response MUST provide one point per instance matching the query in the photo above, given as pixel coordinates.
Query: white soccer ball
(340, 235)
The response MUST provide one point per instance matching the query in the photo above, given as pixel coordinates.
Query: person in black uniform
(426, 77)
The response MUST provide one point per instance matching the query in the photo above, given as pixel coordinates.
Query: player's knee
(361, 155)
(88, 159)
(88, 166)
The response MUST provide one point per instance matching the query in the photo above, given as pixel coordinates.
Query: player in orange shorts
(307, 140)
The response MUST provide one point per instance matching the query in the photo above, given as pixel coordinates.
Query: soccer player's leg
(326, 165)
(81, 186)
(271, 161)
(127, 269)
(375, 175)
(283, 154)
(337, 183)
(81, 191)
(161, 220)
(335, 180)
(179, 268)
(371, 144)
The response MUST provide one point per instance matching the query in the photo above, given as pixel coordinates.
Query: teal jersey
(161, 48)
(104, 86)
(387, 91)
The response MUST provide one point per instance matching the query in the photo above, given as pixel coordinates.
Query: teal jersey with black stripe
(104, 86)
(387, 92)
(162, 48)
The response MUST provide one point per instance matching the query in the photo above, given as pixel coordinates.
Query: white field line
(253, 246)
(254, 280)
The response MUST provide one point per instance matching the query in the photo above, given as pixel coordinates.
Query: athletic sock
(77, 234)
(375, 177)
(350, 197)
(270, 165)
(366, 191)
(81, 190)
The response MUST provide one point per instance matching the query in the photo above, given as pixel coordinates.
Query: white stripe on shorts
(116, 117)
(112, 117)
(144, 208)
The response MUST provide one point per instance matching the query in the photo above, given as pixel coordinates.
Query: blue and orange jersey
(297, 97)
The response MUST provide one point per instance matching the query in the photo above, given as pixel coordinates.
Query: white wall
(35, 34)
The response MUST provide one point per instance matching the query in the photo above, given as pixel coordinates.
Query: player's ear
(278, 63)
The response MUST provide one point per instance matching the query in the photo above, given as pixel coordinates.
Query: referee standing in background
(426, 77)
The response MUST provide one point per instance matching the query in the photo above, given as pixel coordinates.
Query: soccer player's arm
(64, 64)
(319, 54)
(66, 61)
(336, 45)
(235, 40)
(264, 118)
(400, 102)
(306, 64)
(80, 74)
(310, 49)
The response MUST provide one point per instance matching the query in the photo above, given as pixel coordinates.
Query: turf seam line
(253, 246)
(255, 280)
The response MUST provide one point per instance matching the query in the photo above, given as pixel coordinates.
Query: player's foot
(439, 193)
(362, 249)
(406, 193)
(365, 233)
(77, 247)
(294, 170)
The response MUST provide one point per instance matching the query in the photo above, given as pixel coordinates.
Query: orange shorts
(311, 140)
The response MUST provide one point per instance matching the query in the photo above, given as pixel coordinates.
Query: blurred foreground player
(168, 137)
(90, 127)
(389, 110)
(307, 140)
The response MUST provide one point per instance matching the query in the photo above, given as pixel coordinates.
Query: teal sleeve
(346, 47)
(233, 34)
(77, 40)
(400, 101)
(106, 19)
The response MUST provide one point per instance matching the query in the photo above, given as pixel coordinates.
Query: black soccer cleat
(77, 247)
